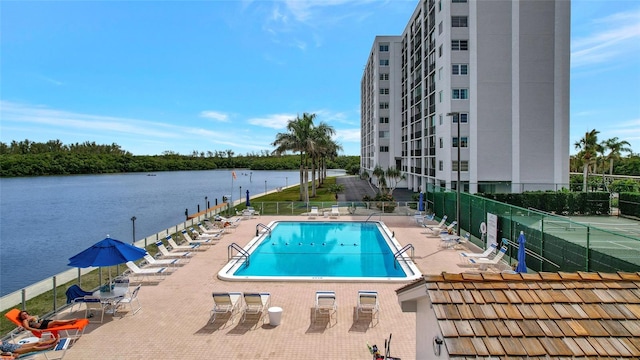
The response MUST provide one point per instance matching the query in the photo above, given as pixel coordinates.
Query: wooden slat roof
(559, 315)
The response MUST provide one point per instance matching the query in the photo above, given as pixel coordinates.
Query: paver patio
(174, 320)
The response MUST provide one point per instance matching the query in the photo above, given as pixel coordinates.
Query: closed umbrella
(522, 265)
(248, 202)
(421, 202)
(107, 252)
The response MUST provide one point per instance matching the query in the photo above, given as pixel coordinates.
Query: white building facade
(498, 70)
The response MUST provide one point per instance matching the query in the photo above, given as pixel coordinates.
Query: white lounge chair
(225, 303)
(326, 304)
(465, 256)
(335, 212)
(187, 237)
(256, 304)
(147, 273)
(445, 230)
(173, 254)
(439, 226)
(152, 262)
(484, 263)
(174, 246)
(314, 212)
(368, 303)
(204, 230)
(422, 220)
(204, 239)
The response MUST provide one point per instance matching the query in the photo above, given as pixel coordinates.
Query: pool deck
(174, 320)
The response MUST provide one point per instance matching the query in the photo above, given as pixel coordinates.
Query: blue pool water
(322, 249)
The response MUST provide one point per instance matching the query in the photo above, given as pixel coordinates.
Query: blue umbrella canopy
(522, 265)
(107, 252)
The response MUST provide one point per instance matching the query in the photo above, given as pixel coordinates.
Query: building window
(464, 118)
(459, 69)
(384, 149)
(384, 91)
(440, 165)
(439, 5)
(441, 118)
(440, 96)
(385, 62)
(440, 51)
(384, 47)
(464, 165)
(441, 142)
(460, 94)
(440, 74)
(440, 28)
(384, 76)
(384, 120)
(458, 1)
(384, 105)
(383, 134)
(464, 141)
(458, 21)
(459, 45)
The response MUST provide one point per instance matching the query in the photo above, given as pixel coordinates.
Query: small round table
(275, 315)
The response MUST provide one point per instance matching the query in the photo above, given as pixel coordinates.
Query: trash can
(275, 315)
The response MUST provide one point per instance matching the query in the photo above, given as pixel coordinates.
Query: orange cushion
(80, 324)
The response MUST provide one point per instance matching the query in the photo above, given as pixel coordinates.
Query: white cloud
(613, 37)
(274, 121)
(348, 135)
(214, 115)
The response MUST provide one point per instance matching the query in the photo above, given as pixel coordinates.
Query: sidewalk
(356, 189)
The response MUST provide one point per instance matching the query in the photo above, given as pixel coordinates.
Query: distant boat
(151, 174)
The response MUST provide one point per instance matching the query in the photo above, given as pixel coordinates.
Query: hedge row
(561, 203)
(629, 204)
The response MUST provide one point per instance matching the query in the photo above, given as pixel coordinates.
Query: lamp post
(133, 221)
(240, 196)
(265, 186)
(206, 204)
(456, 115)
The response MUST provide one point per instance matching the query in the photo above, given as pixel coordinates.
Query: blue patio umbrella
(248, 202)
(522, 265)
(421, 202)
(107, 252)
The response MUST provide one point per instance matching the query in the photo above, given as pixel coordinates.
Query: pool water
(318, 250)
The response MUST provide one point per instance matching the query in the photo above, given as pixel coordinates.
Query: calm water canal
(46, 220)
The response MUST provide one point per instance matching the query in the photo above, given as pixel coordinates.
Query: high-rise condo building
(497, 70)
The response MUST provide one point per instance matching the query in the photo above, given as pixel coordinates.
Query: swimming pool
(317, 250)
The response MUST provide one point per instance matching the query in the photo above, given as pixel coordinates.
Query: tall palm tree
(588, 147)
(616, 148)
(320, 138)
(297, 139)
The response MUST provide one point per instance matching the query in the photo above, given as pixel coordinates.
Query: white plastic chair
(368, 304)
(326, 304)
(132, 301)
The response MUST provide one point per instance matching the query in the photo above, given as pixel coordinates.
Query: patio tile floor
(174, 320)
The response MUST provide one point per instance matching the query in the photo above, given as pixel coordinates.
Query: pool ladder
(376, 213)
(242, 253)
(261, 225)
(400, 252)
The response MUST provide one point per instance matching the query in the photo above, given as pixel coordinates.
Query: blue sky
(155, 76)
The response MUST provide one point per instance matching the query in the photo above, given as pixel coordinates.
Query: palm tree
(298, 139)
(588, 146)
(320, 140)
(615, 148)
